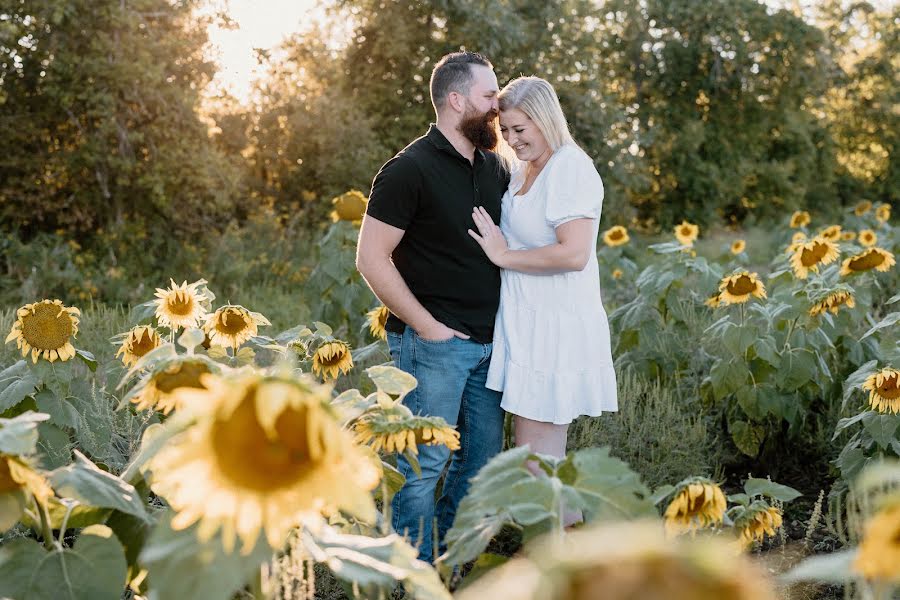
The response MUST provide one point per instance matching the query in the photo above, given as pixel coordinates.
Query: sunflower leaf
(826, 568)
(85, 482)
(16, 383)
(881, 427)
(856, 379)
(391, 380)
(87, 358)
(845, 423)
(19, 559)
(764, 487)
(889, 321)
(19, 435)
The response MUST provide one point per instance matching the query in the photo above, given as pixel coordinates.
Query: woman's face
(522, 135)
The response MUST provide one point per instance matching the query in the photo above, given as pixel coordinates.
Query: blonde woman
(551, 357)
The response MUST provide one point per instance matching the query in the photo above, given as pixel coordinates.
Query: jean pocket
(433, 342)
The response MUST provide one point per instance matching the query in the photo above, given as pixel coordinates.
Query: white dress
(551, 353)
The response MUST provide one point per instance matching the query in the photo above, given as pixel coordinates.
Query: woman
(551, 352)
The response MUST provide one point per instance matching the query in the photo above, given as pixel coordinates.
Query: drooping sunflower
(740, 286)
(396, 429)
(848, 236)
(617, 273)
(798, 236)
(157, 389)
(832, 302)
(616, 236)
(807, 256)
(884, 390)
(687, 233)
(879, 549)
(867, 238)
(349, 206)
(738, 246)
(862, 208)
(377, 320)
(698, 503)
(714, 301)
(232, 325)
(331, 359)
(266, 454)
(831, 233)
(17, 481)
(625, 560)
(757, 522)
(138, 342)
(45, 329)
(871, 258)
(180, 305)
(799, 219)
(883, 213)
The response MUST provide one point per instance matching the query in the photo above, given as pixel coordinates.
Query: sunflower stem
(256, 586)
(50, 542)
(787, 340)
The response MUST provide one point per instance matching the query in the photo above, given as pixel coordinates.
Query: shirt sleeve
(574, 188)
(395, 192)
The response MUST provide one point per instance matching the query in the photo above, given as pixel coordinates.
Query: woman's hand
(491, 238)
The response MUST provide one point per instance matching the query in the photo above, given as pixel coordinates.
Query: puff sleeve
(574, 188)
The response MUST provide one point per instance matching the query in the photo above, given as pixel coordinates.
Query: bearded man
(442, 292)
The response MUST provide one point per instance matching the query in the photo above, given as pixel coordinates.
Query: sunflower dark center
(185, 375)
(48, 327)
(616, 235)
(811, 256)
(231, 322)
(181, 304)
(143, 344)
(742, 286)
(888, 389)
(869, 260)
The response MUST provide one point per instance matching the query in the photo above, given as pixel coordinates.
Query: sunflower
(233, 325)
(615, 236)
(45, 329)
(738, 287)
(879, 549)
(799, 219)
(349, 206)
(807, 256)
(180, 305)
(396, 429)
(831, 233)
(617, 273)
(832, 302)
(884, 390)
(138, 342)
(848, 236)
(862, 208)
(714, 301)
(687, 233)
(867, 238)
(266, 454)
(697, 503)
(17, 481)
(157, 389)
(871, 258)
(332, 358)
(377, 320)
(883, 213)
(738, 246)
(798, 236)
(756, 523)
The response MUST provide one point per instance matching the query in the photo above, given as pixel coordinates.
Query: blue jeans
(451, 376)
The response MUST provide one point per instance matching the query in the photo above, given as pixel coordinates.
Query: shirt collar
(440, 141)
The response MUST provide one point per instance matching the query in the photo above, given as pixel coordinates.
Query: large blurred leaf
(747, 437)
(764, 487)
(18, 560)
(375, 562)
(392, 380)
(607, 486)
(19, 435)
(179, 566)
(827, 568)
(84, 482)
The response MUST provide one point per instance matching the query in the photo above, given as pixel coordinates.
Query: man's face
(479, 122)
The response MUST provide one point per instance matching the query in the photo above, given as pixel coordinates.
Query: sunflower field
(190, 449)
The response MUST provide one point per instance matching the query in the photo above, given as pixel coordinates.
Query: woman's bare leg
(544, 438)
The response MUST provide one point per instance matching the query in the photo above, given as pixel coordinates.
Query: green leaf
(391, 380)
(765, 349)
(87, 358)
(54, 446)
(177, 562)
(608, 487)
(62, 414)
(84, 482)
(323, 329)
(764, 487)
(887, 322)
(16, 383)
(19, 558)
(19, 435)
(661, 493)
(728, 376)
(845, 423)
(747, 437)
(856, 379)
(798, 367)
(738, 338)
(378, 562)
(881, 427)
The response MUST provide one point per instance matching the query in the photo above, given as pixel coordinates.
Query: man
(417, 256)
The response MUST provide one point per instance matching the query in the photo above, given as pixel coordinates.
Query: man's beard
(480, 128)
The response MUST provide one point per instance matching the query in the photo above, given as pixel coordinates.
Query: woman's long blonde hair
(537, 99)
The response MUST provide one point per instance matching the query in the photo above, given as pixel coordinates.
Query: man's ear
(456, 101)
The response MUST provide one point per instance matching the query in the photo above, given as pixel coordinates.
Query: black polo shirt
(429, 190)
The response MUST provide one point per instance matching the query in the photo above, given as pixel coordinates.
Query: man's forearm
(387, 284)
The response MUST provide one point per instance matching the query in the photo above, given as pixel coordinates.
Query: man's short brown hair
(453, 73)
